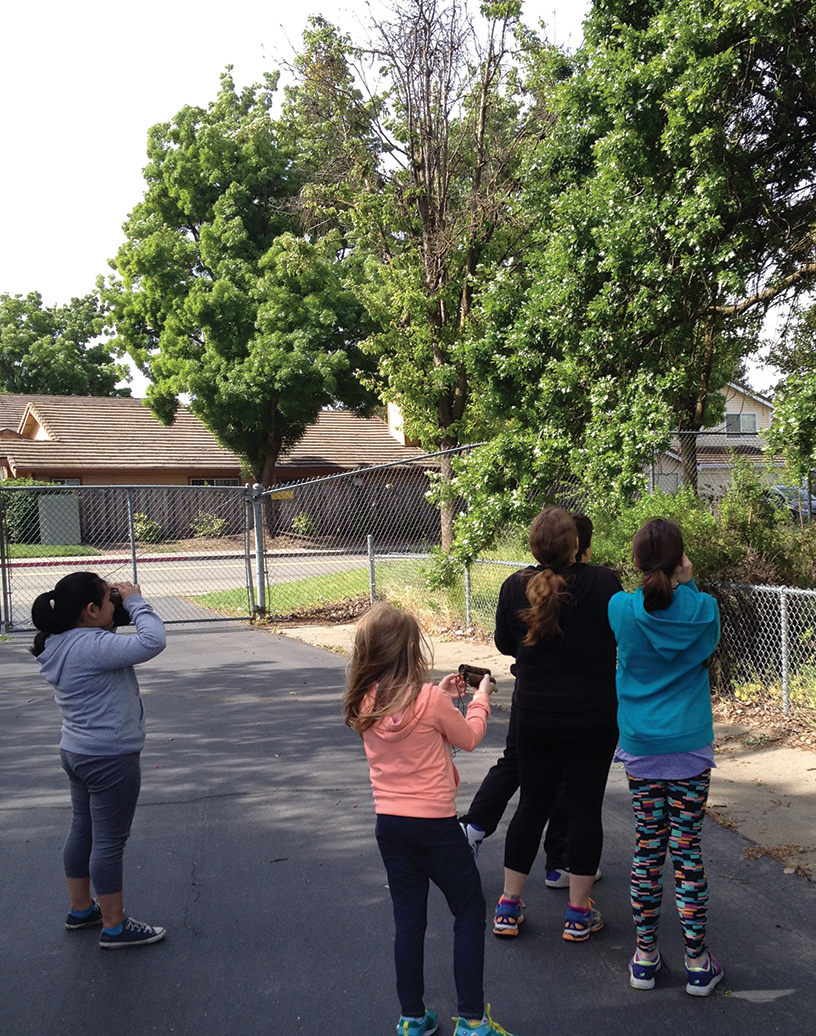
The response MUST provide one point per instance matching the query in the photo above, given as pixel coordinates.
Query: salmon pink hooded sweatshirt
(410, 758)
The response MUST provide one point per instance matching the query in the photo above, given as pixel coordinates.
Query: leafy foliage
(671, 201)
(48, 350)
(217, 295)
(205, 524)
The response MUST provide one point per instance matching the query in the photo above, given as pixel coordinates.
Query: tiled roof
(340, 439)
(101, 432)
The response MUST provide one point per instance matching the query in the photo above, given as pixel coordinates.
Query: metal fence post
(783, 617)
(5, 611)
(467, 593)
(260, 583)
(372, 585)
(132, 534)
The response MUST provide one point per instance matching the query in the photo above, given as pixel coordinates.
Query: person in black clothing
(552, 618)
(502, 780)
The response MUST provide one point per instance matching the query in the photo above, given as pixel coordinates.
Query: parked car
(795, 499)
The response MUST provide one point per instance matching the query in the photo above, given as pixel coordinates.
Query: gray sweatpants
(104, 793)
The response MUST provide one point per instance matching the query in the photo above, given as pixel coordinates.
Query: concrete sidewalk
(764, 791)
(254, 844)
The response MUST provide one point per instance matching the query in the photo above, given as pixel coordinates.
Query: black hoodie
(573, 671)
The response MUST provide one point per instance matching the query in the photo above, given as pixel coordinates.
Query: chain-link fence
(189, 547)
(324, 549)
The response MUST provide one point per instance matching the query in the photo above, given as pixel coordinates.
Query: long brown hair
(553, 543)
(390, 660)
(657, 550)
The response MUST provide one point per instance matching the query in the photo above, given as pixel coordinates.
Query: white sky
(81, 83)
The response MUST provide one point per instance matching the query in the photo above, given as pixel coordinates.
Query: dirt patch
(772, 725)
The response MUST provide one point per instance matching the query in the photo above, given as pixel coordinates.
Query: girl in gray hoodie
(91, 670)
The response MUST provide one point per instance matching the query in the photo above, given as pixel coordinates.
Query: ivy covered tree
(673, 202)
(219, 298)
(51, 350)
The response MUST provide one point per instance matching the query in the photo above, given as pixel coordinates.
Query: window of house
(65, 481)
(214, 482)
(741, 424)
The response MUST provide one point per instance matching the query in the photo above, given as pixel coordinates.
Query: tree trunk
(446, 510)
(688, 456)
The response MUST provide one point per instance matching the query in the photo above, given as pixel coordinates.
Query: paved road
(254, 845)
(168, 579)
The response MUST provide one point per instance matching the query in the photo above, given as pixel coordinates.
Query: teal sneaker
(487, 1027)
(417, 1026)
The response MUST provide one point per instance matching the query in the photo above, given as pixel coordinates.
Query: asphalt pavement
(253, 844)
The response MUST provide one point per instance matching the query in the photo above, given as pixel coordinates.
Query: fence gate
(189, 547)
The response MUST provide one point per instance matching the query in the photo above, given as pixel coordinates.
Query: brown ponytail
(657, 550)
(553, 537)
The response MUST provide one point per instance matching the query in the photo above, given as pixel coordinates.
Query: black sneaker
(134, 933)
(72, 922)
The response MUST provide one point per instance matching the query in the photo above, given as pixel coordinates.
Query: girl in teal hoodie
(666, 632)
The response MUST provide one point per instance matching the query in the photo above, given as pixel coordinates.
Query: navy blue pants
(104, 793)
(417, 851)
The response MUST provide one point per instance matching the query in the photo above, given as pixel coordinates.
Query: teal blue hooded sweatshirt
(664, 697)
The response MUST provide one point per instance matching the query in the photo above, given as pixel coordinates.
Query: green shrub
(205, 524)
(441, 570)
(304, 524)
(21, 517)
(145, 529)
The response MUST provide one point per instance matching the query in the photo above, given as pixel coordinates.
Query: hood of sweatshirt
(675, 629)
(57, 648)
(399, 725)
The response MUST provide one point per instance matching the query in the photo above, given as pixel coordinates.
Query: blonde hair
(390, 661)
(553, 543)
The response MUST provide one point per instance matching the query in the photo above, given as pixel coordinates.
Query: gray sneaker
(134, 933)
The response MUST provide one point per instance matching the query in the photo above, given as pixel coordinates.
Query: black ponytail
(59, 609)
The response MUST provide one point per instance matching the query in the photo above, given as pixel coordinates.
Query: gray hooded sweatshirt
(96, 687)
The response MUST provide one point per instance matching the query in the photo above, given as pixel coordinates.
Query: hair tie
(52, 601)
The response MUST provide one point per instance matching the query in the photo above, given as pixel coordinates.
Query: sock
(646, 956)
(83, 913)
(509, 899)
(114, 931)
(580, 910)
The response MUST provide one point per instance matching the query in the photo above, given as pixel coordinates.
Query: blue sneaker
(508, 917)
(701, 981)
(72, 922)
(579, 925)
(417, 1026)
(642, 972)
(134, 933)
(487, 1027)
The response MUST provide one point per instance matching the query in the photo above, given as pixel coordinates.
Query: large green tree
(672, 203)
(50, 350)
(219, 298)
(418, 170)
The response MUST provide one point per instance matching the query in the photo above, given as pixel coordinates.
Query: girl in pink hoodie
(408, 726)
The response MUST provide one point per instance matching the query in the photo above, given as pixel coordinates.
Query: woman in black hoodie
(552, 618)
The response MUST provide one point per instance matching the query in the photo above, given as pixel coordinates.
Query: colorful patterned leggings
(669, 815)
